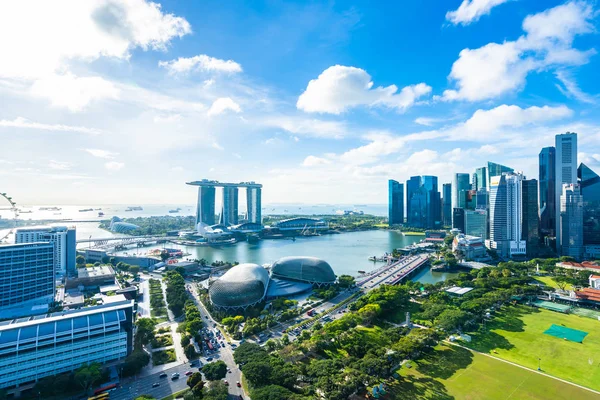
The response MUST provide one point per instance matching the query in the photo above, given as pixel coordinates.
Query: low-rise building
(471, 247)
(32, 348)
(92, 277)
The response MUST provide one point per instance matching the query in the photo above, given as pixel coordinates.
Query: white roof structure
(459, 291)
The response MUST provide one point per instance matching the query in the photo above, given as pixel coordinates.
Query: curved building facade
(304, 269)
(242, 286)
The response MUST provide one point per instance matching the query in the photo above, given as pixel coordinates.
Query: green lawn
(516, 334)
(549, 281)
(163, 357)
(455, 373)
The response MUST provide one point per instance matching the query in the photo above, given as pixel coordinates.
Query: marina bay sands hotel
(205, 209)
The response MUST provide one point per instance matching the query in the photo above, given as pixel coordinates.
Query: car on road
(155, 384)
(175, 376)
(209, 359)
(225, 382)
(229, 370)
(238, 384)
(163, 375)
(188, 373)
(193, 363)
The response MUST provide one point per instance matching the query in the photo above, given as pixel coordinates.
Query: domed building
(244, 285)
(304, 269)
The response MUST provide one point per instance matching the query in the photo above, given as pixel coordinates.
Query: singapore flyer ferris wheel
(8, 216)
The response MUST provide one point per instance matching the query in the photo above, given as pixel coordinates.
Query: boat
(101, 214)
(175, 210)
(86, 209)
(25, 211)
(361, 272)
(134, 208)
(50, 208)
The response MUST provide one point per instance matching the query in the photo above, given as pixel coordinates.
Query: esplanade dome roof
(305, 269)
(241, 286)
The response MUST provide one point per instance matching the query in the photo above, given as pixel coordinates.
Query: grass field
(549, 281)
(516, 334)
(455, 373)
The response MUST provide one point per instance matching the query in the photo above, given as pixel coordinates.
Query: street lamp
(539, 364)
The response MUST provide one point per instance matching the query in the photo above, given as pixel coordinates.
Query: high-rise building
(205, 208)
(423, 202)
(460, 187)
(566, 172)
(27, 280)
(458, 219)
(229, 213)
(530, 230)
(571, 221)
(447, 204)
(395, 202)
(61, 237)
(36, 347)
(482, 200)
(253, 203)
(494, 169)
(480, 180)
(547, 189)
(589, 182)
(476, 223)
(506, 214)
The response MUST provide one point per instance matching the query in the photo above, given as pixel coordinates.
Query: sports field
(517, 334)
(455, 373)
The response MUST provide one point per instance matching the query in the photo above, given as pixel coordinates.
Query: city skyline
(319, 117)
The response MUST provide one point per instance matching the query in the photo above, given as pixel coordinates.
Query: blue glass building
(395, 202)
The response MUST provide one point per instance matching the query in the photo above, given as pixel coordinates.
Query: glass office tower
(571, 221)
(590, 190)
(447, 204)
(494, 169)
(395, 202)
(423, 202)
(547, 197)
(530, 231)
(565, 172)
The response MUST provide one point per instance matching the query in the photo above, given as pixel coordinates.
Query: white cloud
(202, 62)
(570, 88)
(340, 88)
(114, 165)
(513, 116)
(102, 153)
(20, 122)
(495, 69)
(59, 165)
(426, 121)
(312, 161)
(307, 127)
(45, 41)
(73, 92)
(216, 146)
(167, 118)
(223, 104)
(471, 10)
(380, 144)
(208, 83)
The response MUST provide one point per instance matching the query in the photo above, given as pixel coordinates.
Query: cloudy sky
(321, 102)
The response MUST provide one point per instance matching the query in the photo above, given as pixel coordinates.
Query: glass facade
(530, 231)
(481, 180)
(458, 219)
(395, 202)
(494, 169)
(476, 223)
(590, 190)
(423, 202)
(229, 213)
(547, 197)
(447, 204)
(565, 167)
(205, 212)
(254, 204)
(571, 221)
(460, 186)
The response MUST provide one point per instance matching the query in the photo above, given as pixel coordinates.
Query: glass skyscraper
(229, 213)
(547, 189)
(494, 169)
(530, 231)
(460, 187)
(253, 204)
(423, 202)
(565, 172)
(506, 215)
(395, 202)
(205, 210)
(447, 204)
(476, 223)
(571, 221)
(481, 178)
(590, 190)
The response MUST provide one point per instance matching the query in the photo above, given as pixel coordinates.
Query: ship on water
(50, 208)
(134, 208)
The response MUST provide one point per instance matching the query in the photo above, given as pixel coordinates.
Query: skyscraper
(458, 219)
(494, 169)
(205, 209)
(395, 202)
(547, 189)
(506, 214)
(571, 221)
(447, 204)
(62, 239)
(229, 213)
(481, 179)
(566, 172)
(530, 230)
(26, 278)
(476, 223)
(460, 185)
(590, 190)
(423, 202)
(254, 204)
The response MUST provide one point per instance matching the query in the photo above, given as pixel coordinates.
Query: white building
(62, 238)
(595, 281)
(506, 215)
(36, 347)
(565, 173)
(471, 247)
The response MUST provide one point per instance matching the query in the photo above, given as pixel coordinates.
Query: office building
(423, 202)
(506, 214)
(253, 204)
(482, 200)
(36, 347)
(571, 221)
(205, 208)
(460, 187)
(565, 173)
(27, 279)
(475, 223)
(494, 169)
(458, 219)
(531, 226)
(61, 237)
(480, 180)
(589, 182)
(547, 189)
(395, 202)
(447, 204)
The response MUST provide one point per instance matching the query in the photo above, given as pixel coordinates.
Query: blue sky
(322, 102)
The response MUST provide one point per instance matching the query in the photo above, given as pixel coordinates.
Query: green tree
(452, 319)
(145, 329)
(164, 255)
(258, 373)
(345, 281)
(194, 379)
(215, 370)
(190, 351)
(217, 390)
(134, 362)
(134, 269)
(272, 392)
(80, 260)
(185, 340)
(88, 375)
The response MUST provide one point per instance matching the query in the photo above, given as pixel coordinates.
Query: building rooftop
(209, 183)
(457, 290)
(95, 272)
